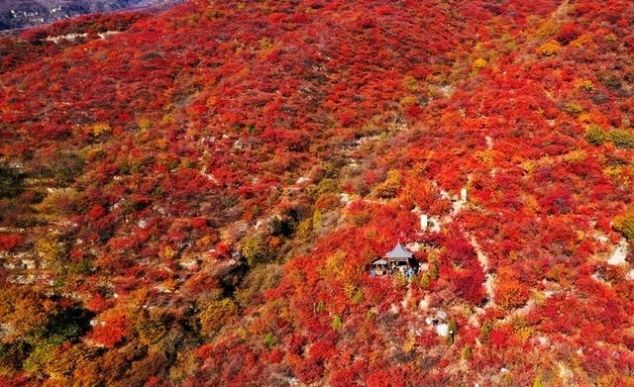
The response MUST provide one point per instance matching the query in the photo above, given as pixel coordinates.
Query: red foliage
(469, 285)
(110, 331)
(392, 377)
(9, 242)
(343, 378)
(97, 211)
(568, 32)
(97, 303)
(459, 251)
(499, 338)
(558, 201)
(186, 146)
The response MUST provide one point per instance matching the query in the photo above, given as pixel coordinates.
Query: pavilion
(399, 258)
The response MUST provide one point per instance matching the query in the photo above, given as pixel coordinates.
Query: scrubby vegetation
(195, 199)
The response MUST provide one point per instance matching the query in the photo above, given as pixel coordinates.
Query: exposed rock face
(26, 13)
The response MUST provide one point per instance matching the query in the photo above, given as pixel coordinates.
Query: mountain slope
(16, 14)
(194, 199)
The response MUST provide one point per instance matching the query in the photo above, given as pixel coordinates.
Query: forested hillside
(195, 196)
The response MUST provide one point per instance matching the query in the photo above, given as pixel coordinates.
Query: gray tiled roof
(399, 252)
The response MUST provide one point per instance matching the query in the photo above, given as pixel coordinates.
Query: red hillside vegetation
(275, 192)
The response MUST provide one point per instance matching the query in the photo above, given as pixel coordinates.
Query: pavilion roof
(399, 252)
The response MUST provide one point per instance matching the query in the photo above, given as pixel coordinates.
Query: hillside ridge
(202, 196)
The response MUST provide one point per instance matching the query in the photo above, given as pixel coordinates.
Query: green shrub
(399, 279)
(39, 358)
(485, 331)
(67, 167)
(304, 228)
(257, 280)
(425, 281)
(256, 250)
(284, 227)
(67, 324)
(573, 109)
(538, 381)
(269, 340)
(326, 185)
(357, 297)
(11, 182)
(595, 135)
(611, 81)
(336, 323)
(621, 138)
(12, 355)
